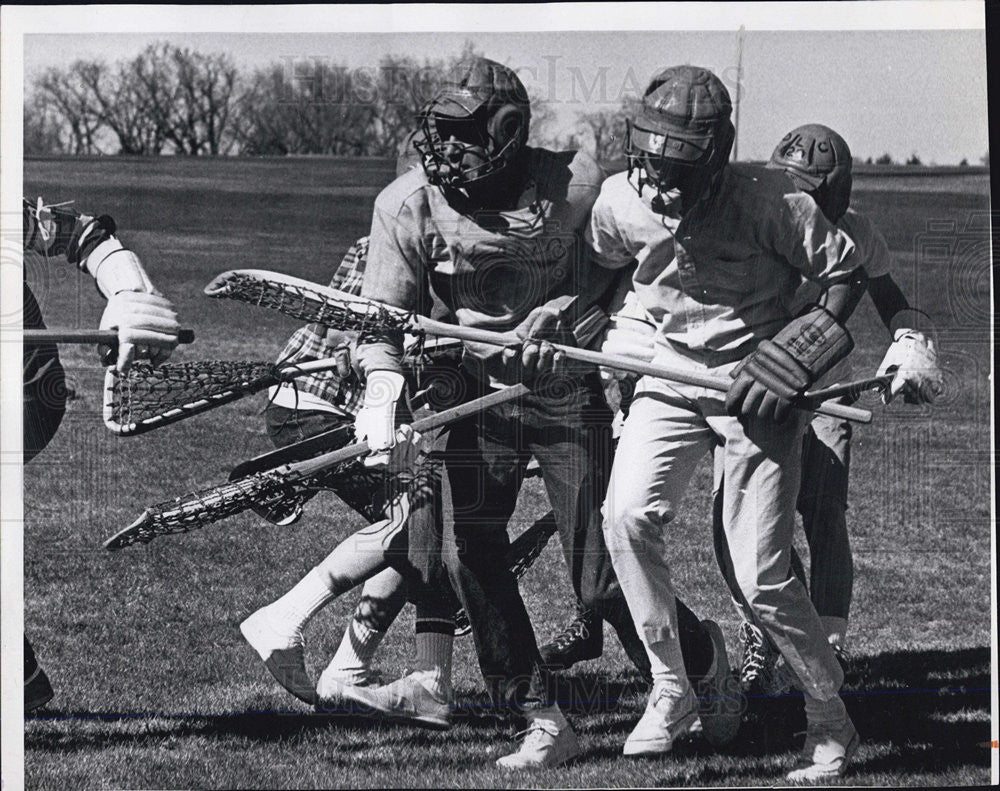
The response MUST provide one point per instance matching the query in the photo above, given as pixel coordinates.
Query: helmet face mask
(472, 131)
(680, 136)
(664, 162)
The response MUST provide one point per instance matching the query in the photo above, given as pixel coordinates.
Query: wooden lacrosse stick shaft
(621, 363)
(109, 337)
(437, 420)
(856, 387)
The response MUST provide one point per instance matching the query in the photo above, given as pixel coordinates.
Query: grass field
(155, 686)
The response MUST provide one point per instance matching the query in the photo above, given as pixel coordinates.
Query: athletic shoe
(581, 640)
(826, 753)
(334, 685)
(406, 700)
(666, 717)
(720, 702)
(544, 745)
(760, 675)
(37, 690)
(283, 657)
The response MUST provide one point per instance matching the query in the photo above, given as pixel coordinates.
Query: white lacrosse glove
(912, 358)
(408, 452)
(630, 334)
(376, 421)
(146, 324)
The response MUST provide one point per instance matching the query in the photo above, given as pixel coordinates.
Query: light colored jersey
(490, 269)
(723, 278)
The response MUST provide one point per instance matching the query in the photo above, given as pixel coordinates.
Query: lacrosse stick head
(308, 301)
(146, 397)
(202, 508)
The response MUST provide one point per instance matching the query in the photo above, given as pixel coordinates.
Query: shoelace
(753, 664)
(577, 630)
(534, 732)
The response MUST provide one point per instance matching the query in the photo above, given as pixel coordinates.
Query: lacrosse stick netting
(307, 301)
(147, 398)
(266, 490)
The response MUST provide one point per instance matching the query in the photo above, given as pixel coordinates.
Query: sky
(903, 92)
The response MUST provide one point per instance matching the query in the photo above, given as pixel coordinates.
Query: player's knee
(629, 523)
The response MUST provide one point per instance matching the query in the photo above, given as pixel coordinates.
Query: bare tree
(70, 102)
(44, 132)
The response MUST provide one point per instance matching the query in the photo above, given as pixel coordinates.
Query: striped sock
(357, 648)
(433, 665)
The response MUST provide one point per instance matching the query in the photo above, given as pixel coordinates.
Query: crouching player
(819, 162)
(301, 409)
(719, 250)
(144, 319)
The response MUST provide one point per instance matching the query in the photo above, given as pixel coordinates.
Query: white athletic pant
(668, 430)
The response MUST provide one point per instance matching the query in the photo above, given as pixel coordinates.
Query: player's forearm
(893, 307)
(88, 242)
(841, 298)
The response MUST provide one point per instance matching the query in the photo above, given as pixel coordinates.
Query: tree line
(173, 100)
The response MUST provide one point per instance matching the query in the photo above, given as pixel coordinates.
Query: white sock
(433, 665)
(667, 665)
(550, 714)
(292, 612)
(357, 648)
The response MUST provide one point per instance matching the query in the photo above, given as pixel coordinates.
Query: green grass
(155, 687)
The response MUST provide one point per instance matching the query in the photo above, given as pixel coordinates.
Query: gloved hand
(376, 421)
(913, 359)
(630, 333)
(779, 370)
(147, 328)
(544, 326)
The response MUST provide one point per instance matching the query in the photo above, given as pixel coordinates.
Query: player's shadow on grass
(919, 710)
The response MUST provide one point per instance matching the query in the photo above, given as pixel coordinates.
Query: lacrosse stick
(312, 302)
(521, 555)
(107, 337)
(149, 397)
(269, 489)
(854, 389)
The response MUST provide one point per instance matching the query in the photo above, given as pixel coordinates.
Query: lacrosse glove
(376, 421)
(779, 370)
(912, 358)
(147, 328)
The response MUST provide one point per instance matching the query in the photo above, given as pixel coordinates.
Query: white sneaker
(406, 699)
(544, 745)
(666, 717)
(284, 657)
(826, 753)
(333, 690)
(720, 701)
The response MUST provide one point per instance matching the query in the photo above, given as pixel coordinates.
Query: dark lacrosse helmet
(475, 127)
(819, 161)
(680, 135)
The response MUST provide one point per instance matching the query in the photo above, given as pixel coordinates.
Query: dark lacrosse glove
(782, 369)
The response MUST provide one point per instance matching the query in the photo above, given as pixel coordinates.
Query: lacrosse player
(144, 319)
(819, 162)
(311, 405)
(719, 250)
(491, 228)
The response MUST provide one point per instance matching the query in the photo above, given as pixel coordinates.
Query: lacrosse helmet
(474, 128)
(680, 134)
(819, 162)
